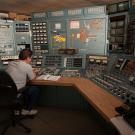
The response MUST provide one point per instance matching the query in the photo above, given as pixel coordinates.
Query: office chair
(9, 104)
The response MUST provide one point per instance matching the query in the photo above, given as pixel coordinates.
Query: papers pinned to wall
(48, 77)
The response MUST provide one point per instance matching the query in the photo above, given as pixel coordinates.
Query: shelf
(117, 32)
(118, 7)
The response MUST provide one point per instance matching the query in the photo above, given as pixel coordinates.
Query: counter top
(101, 100)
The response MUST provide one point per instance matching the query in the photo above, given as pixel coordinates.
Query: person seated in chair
(21, 71)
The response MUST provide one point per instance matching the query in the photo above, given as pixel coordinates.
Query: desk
(101, 100)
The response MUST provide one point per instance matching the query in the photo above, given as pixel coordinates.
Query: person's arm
(30, 73)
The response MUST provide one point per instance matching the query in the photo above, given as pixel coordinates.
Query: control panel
(120, 81)
(39, 37)
(47, 70)
(7, 42)
(96, 65)
(22, 35)
(37, 61)
(53, 61)
(76, 62)
(69, 66)
(70, 73)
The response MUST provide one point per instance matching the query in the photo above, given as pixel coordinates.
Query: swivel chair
(8, 104)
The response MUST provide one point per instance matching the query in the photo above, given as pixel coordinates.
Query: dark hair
(24, 54)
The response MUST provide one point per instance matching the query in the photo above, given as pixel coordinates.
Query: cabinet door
(117, 32)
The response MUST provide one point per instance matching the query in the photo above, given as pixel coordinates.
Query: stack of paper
(48, 77)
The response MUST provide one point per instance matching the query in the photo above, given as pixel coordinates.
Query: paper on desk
(48, 77)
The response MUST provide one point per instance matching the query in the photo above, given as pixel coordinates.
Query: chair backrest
(8, 90)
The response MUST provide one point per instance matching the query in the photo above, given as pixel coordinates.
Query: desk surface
(101, 100)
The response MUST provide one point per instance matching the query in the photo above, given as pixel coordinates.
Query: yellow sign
(59, 38)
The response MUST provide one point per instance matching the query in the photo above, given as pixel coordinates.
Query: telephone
(123, 110)
(130, 117)
(128, 113)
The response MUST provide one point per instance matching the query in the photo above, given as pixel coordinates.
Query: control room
(67, 67)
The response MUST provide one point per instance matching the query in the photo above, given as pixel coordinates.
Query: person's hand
(36, 70)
